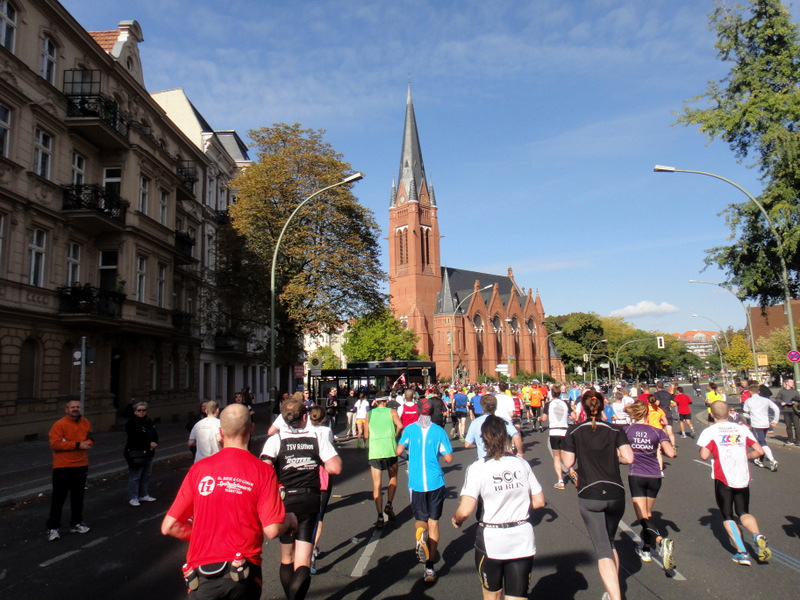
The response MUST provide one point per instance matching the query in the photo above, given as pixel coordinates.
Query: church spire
(412, 169)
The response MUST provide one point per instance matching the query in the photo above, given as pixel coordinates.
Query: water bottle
(190, 577)
(239, 568)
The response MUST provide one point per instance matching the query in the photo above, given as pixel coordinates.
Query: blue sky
(540, 123)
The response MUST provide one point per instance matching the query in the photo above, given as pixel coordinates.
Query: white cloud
(645, 308)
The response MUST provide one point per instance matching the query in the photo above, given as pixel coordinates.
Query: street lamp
(547, 346)
(787, 292)
(724, 335)
(721, 361)
(590, 355)
(349, 179)
(747, 316)
(452, 339)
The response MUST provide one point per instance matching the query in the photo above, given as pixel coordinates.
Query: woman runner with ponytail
(599, 449)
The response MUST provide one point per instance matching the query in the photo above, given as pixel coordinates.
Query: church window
(422, 245)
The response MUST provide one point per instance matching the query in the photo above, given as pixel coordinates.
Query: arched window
(47, 67)
(497, 324)
(29, 364)
(8, 25)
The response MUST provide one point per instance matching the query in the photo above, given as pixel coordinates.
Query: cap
(426, 409)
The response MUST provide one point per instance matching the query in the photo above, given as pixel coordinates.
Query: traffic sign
(793, 356)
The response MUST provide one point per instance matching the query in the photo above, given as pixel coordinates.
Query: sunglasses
(141, 410)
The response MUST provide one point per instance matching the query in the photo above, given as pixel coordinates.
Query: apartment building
(107, 219)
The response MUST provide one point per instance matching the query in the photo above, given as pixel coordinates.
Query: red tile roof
(106, 39)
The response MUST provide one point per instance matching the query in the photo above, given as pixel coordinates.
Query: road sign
(502, 368)
(793, 356)
(425, 372)
(763, 360)
(315, 372)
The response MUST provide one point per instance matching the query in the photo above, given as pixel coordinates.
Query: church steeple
(411, 183)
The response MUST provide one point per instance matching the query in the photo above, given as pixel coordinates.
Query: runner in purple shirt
(644, 479)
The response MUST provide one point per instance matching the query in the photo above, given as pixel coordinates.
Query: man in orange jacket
(70, 441)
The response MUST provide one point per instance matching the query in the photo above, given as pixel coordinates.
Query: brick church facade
(490, 320)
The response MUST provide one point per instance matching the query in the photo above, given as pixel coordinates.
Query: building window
(144, 187)
(48, 66)
(153, 373)
(161, 286)
(5, 129)
(42, 152)
(8, 25)
(36, 249)
(210, 251)
(163, 207)
(193, 235)
(141, 278)
(78, 169)
(171, 373)
(112, 181)
(73, 263)
(108, 270)
(2, 237)
(29, 357)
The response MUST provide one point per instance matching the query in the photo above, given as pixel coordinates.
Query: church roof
(458, 284)
(412, 169)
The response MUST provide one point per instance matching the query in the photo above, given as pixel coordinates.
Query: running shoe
(80, 528)
(423, 554)
(430, 575)
(573, 475)
(764, 553)
(53, 535)
(147, 498)
(757, 462)
(666, 550)
(379, 522)
(134, 502)
(741, 558)
(773, 466)
(313, 568)
(559, 485)
(644, 554)
(389, 510)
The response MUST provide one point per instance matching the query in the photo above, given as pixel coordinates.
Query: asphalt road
(125, 557)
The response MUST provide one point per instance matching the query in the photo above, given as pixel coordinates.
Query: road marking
(58, 558)
(95, 542)
(656, 558)
(363, 561)
(702, 462)
(785, 559)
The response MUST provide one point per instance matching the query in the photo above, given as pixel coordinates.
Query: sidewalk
(27, 467)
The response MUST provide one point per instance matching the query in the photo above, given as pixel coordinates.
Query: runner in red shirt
(684, 411)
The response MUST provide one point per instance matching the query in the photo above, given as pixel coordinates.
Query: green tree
(776, 347)
(327, 357)
(379, 336)
(328, 267)
(738, 354)
(756, 110)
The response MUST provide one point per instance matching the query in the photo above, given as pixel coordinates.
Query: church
(469, 323)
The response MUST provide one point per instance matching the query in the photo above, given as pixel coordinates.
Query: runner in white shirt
(558, 412)
(504, 544)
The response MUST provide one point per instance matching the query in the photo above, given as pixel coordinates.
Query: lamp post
(724, 335)
(351, 178)
(547, 346)
(616, 356)
(747, 316)
(591, 357)
(610, 362)
(452, 339)
(721, 361)
(787, 292)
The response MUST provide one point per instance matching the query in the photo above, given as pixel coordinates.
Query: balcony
(99, 120)
(182, 322)
(230, 343)
(90, 301)
(187, 175)
(221, 217)
(94, 208)
(184, 248)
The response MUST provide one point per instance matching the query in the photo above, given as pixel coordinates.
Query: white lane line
(363, 561)
(95, 542)
(702, 462)
(58, 558)
(656, 559)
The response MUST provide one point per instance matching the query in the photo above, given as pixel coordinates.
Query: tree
(379, 336)
(776, 346)
(328, 267)
(756, 110)
(327, 357)
(738, 354)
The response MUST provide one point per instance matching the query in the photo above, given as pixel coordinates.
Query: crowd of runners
(591, 430)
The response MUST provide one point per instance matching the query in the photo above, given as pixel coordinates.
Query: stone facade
(104, 231)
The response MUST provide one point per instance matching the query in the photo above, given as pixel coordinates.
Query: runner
(644, 480)
(558, 412)
(684, 411)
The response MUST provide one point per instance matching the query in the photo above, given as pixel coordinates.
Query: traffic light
(660, 341)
